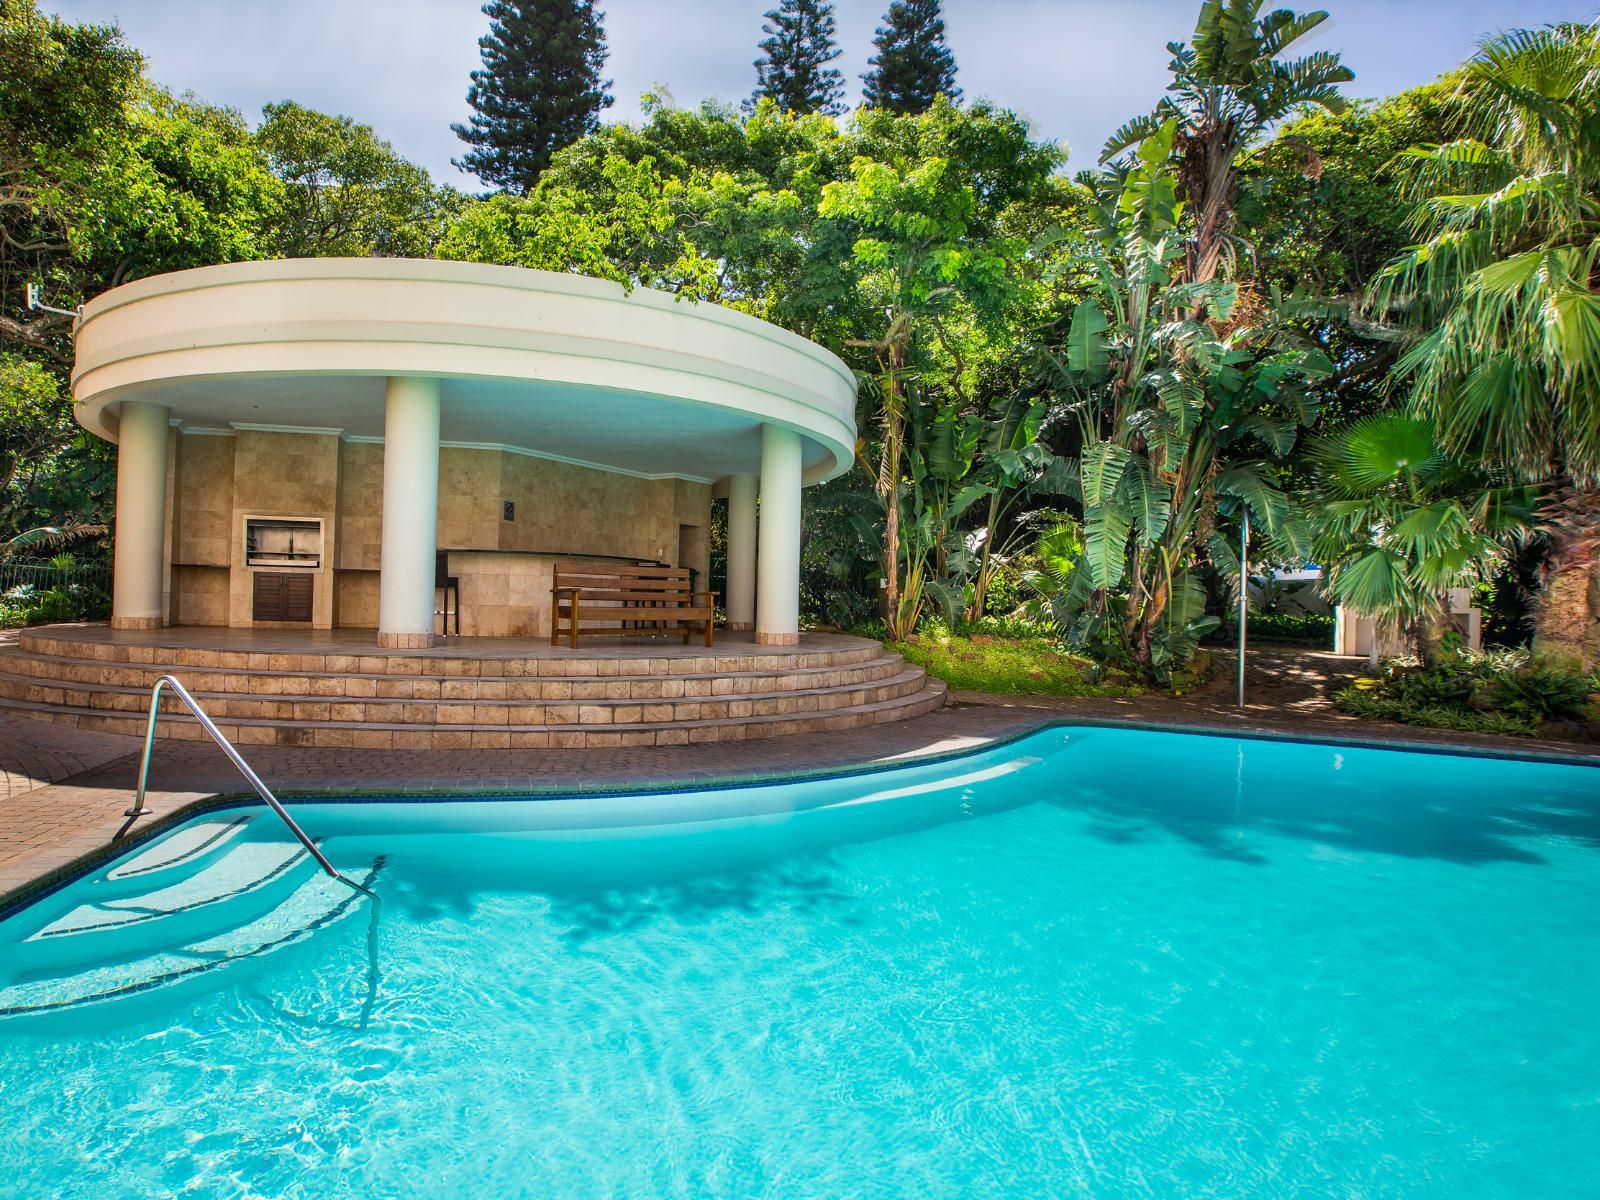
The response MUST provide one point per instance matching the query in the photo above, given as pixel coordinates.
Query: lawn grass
(1033, 666)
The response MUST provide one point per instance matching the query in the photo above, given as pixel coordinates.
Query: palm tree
(1397, 522)
(1229, 87)
(1503, 287)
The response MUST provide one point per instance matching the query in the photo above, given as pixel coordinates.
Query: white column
(741, 597)
(410, 513)
(778, 558)
(141, 516)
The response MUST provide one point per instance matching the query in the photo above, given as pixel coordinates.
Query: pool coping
(54, 880)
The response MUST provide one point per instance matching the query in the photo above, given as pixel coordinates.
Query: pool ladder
(227, 747)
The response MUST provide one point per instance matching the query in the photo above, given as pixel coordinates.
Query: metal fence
(44, 575)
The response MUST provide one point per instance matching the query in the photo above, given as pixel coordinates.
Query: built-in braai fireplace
(277, 542)
(283, 556)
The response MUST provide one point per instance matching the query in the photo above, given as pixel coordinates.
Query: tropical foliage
(1502, 692)
(1368, 328)
(1187, 379)
(1502, 292)
(1400, 522)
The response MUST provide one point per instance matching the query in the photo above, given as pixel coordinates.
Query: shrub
(1305, 629)
(1498, 691)
(27, 605)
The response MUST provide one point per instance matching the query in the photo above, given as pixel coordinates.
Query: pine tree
(793, 69)
(539, 89)
(913, 64)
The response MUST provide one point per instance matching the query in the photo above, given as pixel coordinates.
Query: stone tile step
(224, 708)
(536, 663)
(928, 698)
(597, 710)
(329, 685)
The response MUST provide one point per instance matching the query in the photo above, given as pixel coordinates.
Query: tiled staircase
(399, 701)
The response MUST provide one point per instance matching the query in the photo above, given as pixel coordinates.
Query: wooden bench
(626, 601)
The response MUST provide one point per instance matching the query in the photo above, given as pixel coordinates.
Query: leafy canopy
(1500, 287)
(347, 193)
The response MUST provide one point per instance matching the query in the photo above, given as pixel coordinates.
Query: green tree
(347, 193)
(1397, 522)
(620, 229)
(923, 207)
(34, 423)
(913, 65)
(105, 178)
(540, 88)
(1178, 363)
(1322, 211)
(187, 187)
(1502, 292)
(64, 89)
(793, 70)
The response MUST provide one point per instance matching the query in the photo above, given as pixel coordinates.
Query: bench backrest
(624, 583)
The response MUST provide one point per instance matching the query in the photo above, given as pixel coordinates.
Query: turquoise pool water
(1096, 962)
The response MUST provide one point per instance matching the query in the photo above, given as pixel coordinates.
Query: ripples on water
(1140, 965)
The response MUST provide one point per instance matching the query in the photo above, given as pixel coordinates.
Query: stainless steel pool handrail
(167, 681)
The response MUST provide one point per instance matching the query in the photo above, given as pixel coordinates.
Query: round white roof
(563, 366)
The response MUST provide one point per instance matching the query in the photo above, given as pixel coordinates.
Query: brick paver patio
(34, 754)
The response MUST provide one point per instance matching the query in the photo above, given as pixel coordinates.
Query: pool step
(400, 679)
(183, 852)
(316, 902)
(250, 876)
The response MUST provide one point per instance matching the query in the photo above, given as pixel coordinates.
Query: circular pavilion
(326, 465)
(299, 440)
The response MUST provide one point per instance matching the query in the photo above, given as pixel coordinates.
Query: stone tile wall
(284, 475)
(561, 510)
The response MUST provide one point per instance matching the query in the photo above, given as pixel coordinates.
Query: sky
(1076, 69)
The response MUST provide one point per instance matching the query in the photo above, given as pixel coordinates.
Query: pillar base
(777, 639)
(739, 626)
(136, 622)
(405, 641)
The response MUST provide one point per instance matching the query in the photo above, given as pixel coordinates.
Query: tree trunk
(1142, 639)
(1429, 631)
(1567, 618)
(889, 488)
(891, 541)
(1567, 622)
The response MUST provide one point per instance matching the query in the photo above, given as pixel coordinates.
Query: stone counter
(507, 593)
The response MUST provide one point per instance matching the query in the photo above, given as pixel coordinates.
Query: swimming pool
(1094, 962)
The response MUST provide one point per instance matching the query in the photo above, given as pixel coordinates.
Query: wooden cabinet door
(282, 596)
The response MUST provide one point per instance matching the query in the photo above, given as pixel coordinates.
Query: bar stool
(447, 583)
